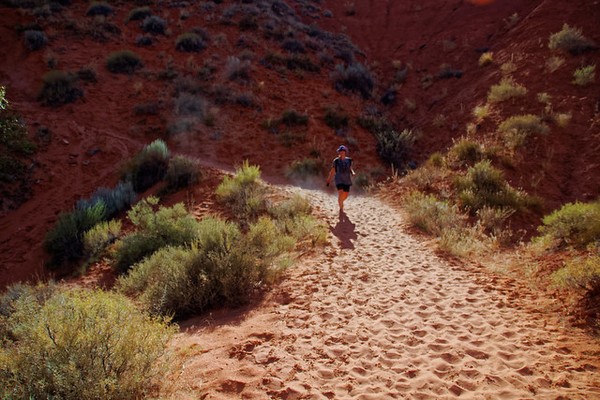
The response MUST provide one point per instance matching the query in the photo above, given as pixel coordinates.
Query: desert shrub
(248, 23)
(302, 169)
(188, 104)
(574, 224)
(156, 227)
(293, 46)
(245, 99)
(35, 40)
(299, 62)
(223, 267)
(355, 78)
(464, 241)
(123, 61)
(236, 69)
(80, 344)
(148, 166)
(505, 90)
(289, 208)
(585, 75)
(554, 63)
(571, 40)
(169, 282)
(99, 8)
(483, 185)
(481, 112)
(182, 172)
(518, 128)
(486, 58)
(64, 242)
(114, 199)
(393, 146)
(154, 24)
(580, 273)
(244, 192)
(101, 235)
(306, 229)
(336, 117)
(189, 42)
(293, 118)
(142, 41)
(492, 219)
(434, 216)
(139, 13)
(88, 74)
(466, 152)
(14, 147)
(58, 88)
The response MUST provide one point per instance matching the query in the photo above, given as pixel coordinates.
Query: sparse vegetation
(336, 117)
(354, 78)
(483, 185)
(244, 192)
(139, 14)
(124, 62)
(99, 8)
(190, 42)
(505, 90)
(580, 273)
(432, 215)
(466, 152)
(574, 224)
(518, 128)
(570, 39)
(85, 344)
(302, 169)
(182, 172)
(35, 40)
(148, 166)
(154, 24)
(237, 70)
(585, 75)
(58, 88)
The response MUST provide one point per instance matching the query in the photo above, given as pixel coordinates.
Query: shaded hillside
(227, 101)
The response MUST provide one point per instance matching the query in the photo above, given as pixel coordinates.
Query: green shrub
(124, 62)
(64, 242)
(190, 42)
(139, 13)
(585, 75)
(243, 193)
(302, 169)
(483, 185)
(432, 215)
(580, 273)
(115, 200)
(355, 78)
(395, 147)
(293, 118)
(183, 172)
(80, 344)
(35, 40)
(336, 117)
(154, 24)
(466, 152)
(156, 227)
(505, 90)
(58, 88)
(518, 128)
(237, 70)
(290, 208)
(306, 229)
(170, 282)
(101, 235)
(99, 8)
(574, 224)
(148, 166)
(571, 40)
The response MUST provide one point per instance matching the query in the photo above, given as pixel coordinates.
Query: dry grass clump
(518, 128)
(570, 39)
(584, 76)
(506, 90)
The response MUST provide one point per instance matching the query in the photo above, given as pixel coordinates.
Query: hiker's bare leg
(342, 196)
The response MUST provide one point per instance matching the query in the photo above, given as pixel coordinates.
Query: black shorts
(341, 186)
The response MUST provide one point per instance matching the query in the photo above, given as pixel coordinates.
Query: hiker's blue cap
(342, 148)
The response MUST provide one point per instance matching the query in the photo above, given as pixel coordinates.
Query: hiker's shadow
(344, 231)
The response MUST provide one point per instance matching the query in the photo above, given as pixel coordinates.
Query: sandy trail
(380, 316)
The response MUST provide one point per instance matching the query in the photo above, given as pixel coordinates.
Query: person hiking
(343, 172)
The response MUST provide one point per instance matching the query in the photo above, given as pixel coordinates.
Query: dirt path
(379, 316)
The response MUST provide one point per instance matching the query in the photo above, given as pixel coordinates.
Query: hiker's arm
(331, 173)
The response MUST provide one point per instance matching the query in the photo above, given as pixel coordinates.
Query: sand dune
(380, 316)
